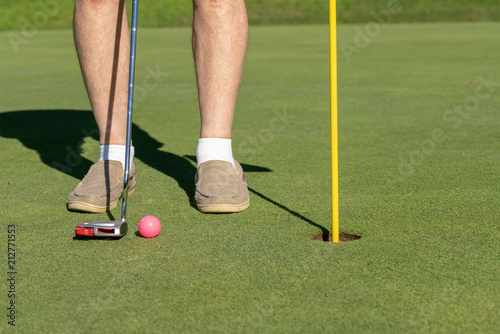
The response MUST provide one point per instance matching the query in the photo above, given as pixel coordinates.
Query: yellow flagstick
(333, 121)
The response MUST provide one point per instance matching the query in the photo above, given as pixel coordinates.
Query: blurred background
(15, 13)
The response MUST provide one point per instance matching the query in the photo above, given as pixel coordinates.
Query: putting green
(418, 125)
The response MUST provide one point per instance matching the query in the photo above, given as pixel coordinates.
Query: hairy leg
(220, 34)
(102, 43)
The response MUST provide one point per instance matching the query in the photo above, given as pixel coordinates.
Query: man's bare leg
(220, 34)
(102, 44)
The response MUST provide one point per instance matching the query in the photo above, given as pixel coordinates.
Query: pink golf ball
(149, 227)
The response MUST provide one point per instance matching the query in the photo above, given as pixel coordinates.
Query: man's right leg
(102, 44)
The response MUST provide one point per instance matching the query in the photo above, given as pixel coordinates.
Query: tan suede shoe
(220, 188)
(101, 189)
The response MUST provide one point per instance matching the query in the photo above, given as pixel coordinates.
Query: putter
(117, 229)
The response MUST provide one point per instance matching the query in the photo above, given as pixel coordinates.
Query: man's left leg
(220, 34)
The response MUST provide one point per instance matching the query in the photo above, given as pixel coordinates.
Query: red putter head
(106, 229)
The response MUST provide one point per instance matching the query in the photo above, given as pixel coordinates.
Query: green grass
(357, 11)
(50, 14)
(428, 257)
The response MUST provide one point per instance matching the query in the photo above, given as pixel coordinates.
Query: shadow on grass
(251, 168)
(324, 231)
(81, 238)
(58, 135)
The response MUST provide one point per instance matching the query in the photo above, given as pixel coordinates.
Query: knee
(214, 5)
(98, 4)
(209, 3)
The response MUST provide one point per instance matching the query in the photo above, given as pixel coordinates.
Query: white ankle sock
(214, 149)
(115, 152)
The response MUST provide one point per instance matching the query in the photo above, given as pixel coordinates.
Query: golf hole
(342, 237)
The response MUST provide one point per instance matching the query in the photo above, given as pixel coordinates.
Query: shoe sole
(223, 208)
(89, 208)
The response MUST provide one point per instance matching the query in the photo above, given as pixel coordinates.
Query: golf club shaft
(133, 41)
